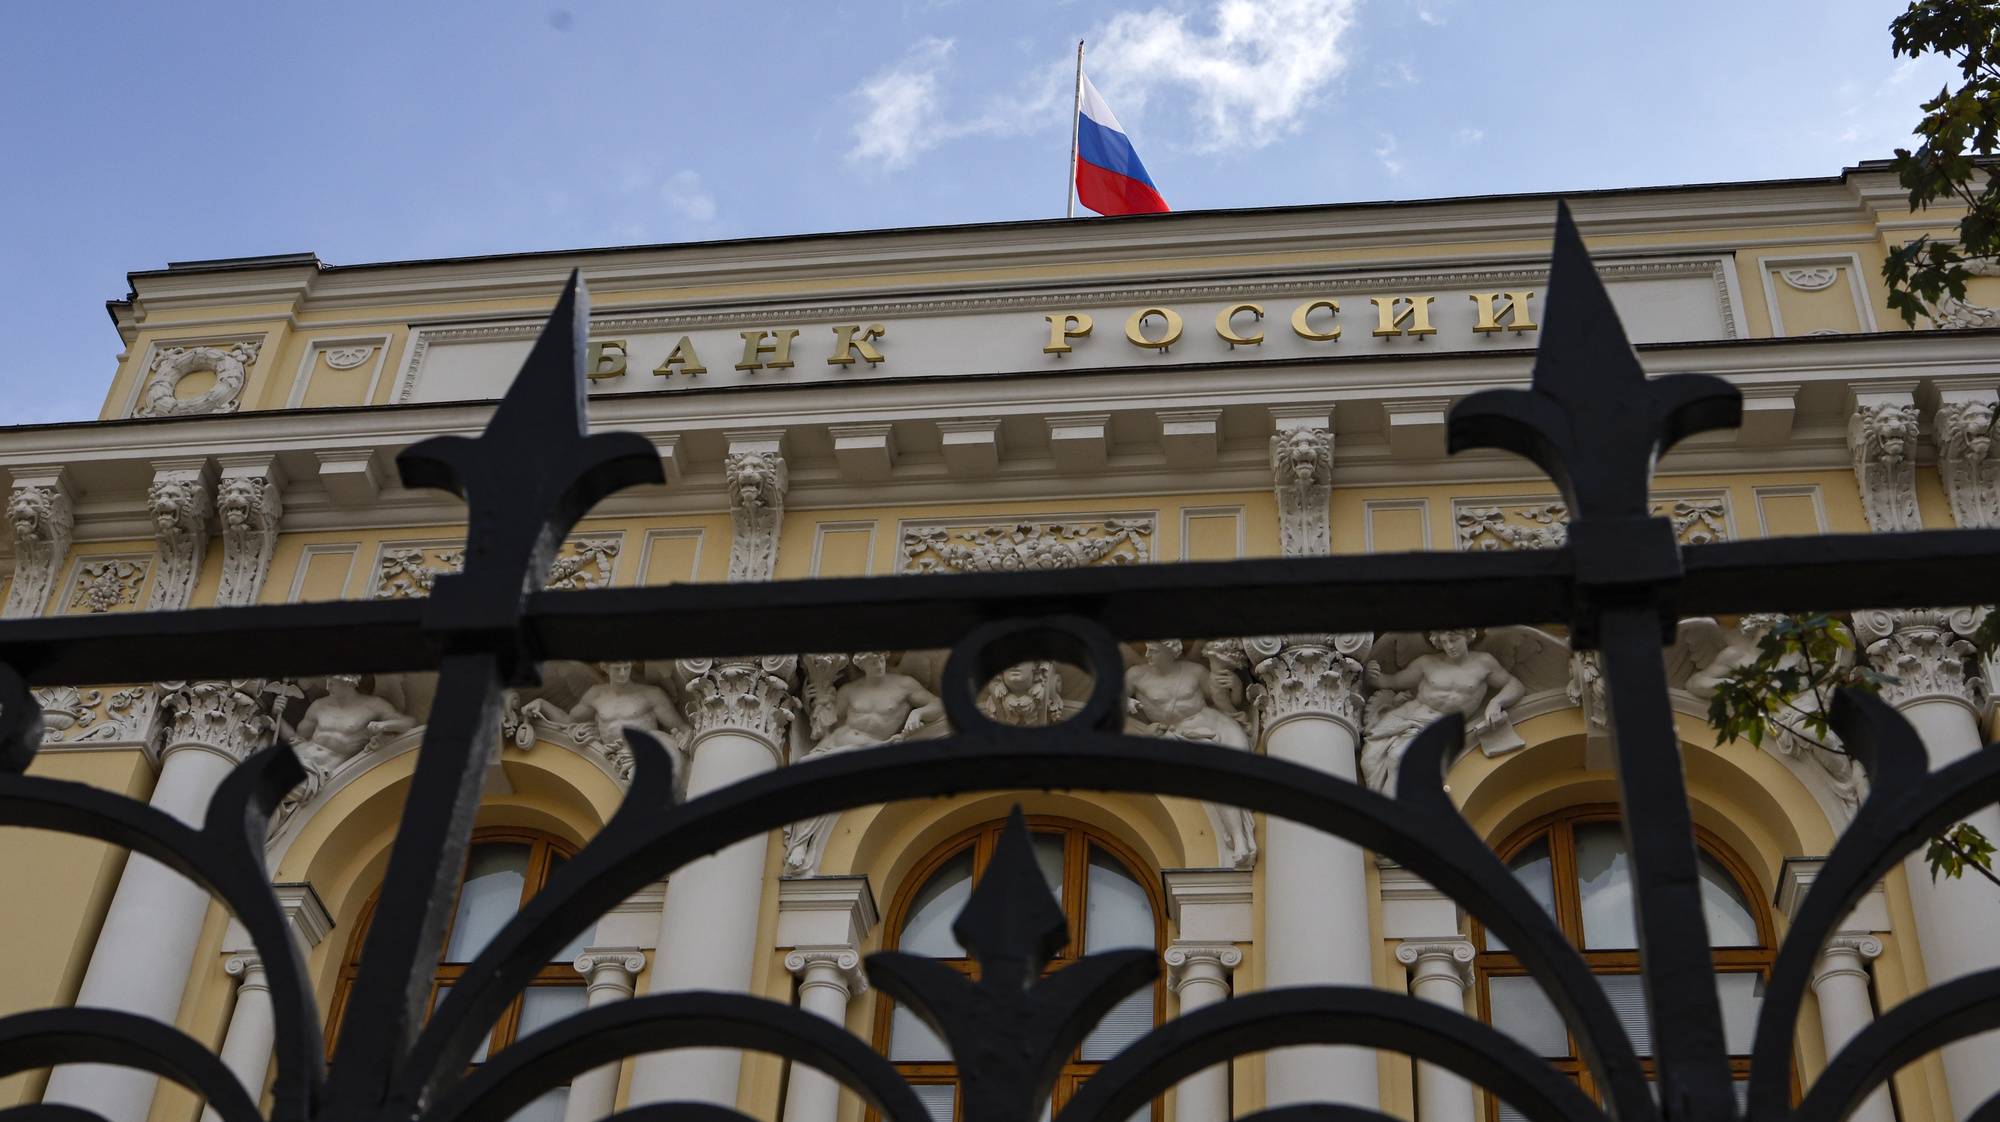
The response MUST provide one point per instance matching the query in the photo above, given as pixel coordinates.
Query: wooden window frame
(544, 850)
(1078, 838)
(1559, 828)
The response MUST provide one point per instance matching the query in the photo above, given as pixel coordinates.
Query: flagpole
(1076, 111)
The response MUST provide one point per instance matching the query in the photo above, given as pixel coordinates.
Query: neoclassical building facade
(1043, 395)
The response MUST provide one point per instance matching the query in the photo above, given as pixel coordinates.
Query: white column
(1926, 650)
(145, 949)
(253, 1030)
(611, 971)
(829, 977)
(1199, 974)
(708, 923)
(1840, 981)
(1315, 886)
(1440, 971)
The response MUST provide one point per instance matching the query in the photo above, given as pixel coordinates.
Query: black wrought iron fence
(1591, 420)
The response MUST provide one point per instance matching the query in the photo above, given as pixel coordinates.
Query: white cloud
(903, 116)
(1429, 15)
(1386, 153)
(1252, 72)
(685, 196)
(1249, 70)
(1470, 135)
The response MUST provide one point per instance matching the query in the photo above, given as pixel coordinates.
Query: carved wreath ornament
(172, 365)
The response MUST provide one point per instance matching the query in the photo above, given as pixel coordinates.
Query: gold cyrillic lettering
(1063, 328)
(755, 348)
(1519, 316)
(1304, 312)
(605, 359)
(1224, 328)
(852, 338)
(1416, 313)
(683, 356)
(1135, 328)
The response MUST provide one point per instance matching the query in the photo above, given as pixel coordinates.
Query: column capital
(1446, 958)
(843, 962)
(248, 970)
(1183, 959)
(230, 718)
(748, 696)
(1847, 954)
(629, 960)
(1308, 676)
(1927, 650)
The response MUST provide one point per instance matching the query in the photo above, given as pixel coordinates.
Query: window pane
(1605, 881)
(927, 930)
(1049, 856)
(936, 1098)
(548, 1108)
(545, 1005)
(494, 877)
(584, 938)
(1628, 1001)
(478, 1057)
(1531, 867)
(1522, 1011)
(1730, 921)
(910, 1039)
(1117, 915)
(1742, 995)
(1128, 1020)
(1509, 1114)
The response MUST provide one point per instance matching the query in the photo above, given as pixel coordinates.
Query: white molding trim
(905, 524)
(1759, 492)
(1189, 513)
(1856, 286)
(1369, 506)
(664, 533)
(322, 549)
(822, 529)
(222, 340)
(309, 362)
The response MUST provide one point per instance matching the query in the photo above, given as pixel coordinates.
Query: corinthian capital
(248, 506)
(1307, 675)
(177, 502)
(234, 718)
(41, 514)
(1882, 435)
(1302, 473)
(1927, 650)
(756, 475)
(1966, 460)
(751, 696)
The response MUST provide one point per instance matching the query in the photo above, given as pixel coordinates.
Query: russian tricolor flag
(1109, 177)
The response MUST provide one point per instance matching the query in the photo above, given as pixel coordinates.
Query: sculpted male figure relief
(1452, 679)
(606, 709)
(877, 707)
(1169, 696)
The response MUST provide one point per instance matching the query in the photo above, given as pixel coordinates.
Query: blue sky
(140, 133)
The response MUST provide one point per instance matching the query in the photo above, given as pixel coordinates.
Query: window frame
(1078, 838)
(544, 851)
(1559, 828)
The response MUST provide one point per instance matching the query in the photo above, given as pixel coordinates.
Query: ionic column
(708, 923)
(610, 972)
(829, 977)
(253, 1029)
(1440, 971)
(145, 949)
(1199, 974)
(1840, 981)
(1315, 886)
(1927, 651)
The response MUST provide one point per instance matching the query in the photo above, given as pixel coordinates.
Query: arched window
(503, 868)
(1575, 863)
(1111, 904)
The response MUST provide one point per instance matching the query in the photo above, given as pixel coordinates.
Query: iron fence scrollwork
(1590, 419)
